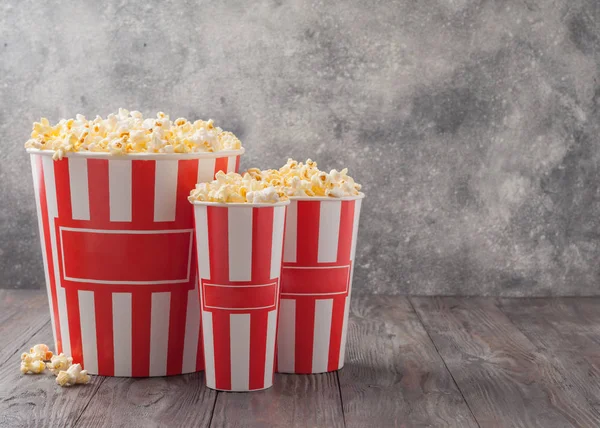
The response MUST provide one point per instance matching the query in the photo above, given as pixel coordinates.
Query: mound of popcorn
(233, 187)
(305, 179)
(128, 132)
(40, 357)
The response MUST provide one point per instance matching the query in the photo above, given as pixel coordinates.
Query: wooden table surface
(414, 362)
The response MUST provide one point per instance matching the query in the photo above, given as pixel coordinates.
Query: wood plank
(293, 401)
(36, 400)
(501, 374)
(393, 375)
(22, 314)
(175, 401)
(560, 329)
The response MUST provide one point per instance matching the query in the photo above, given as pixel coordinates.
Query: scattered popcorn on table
(31, 365)
(72, 376)
(58, 363)
(128, 132)
(41, 351)
(33, 361)
(233, 187)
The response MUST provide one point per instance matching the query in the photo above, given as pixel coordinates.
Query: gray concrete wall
(473, 125)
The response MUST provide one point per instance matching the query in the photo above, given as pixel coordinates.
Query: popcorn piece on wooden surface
(42, 351)
(73, 375)
(29, 365)
(58, 363)
(128, 132)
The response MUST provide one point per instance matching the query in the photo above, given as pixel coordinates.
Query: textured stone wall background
(473, 125)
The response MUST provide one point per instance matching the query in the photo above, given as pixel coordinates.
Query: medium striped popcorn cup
(119, 258)
(316, 281)
(239, 261)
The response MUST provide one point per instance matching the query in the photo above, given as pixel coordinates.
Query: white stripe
(344, 331)
(231, 163)
(206, 170)
(277, 246)
(192, 330)
(209, 349)
(202, 241)
(159, 333)
(323, 313)
(165, 190)
(240, 243)
(119, 184)
(329, 230)
(48, 165)
(78, 180)
(286, 336)
(270, 352)
(357, 205)
(122, 333)
(36, 190)
(239, 335)
(87, 319)
(291, 226)
(61, 298)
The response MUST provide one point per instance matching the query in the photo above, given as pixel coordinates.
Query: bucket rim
(141, 156)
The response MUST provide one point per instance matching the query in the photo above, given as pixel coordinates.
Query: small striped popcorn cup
(239, 262)
(119, 257)
(316, 282)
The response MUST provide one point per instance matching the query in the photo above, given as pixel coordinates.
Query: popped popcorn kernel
(35, 366)
(41, 351)
(236, 188)
(73, 375)
(59, 363)
(127, 132)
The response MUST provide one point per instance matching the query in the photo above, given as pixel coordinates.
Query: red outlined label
(315, 280)
(239, 297)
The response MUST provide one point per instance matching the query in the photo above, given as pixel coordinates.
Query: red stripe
(305, 327)
(221, 165)
(258, 348)
(187, 174)
(200, 350)
(218, 244)
(49, 259)
(177, 316)
(142, 191)
(141, 304)
(237, 163)
(222, 347)
(262, 243)
(104, 333)
(345, 235)
(98, 190)
(72, 299)
(307, 240)
(63, 189)
(335, 336)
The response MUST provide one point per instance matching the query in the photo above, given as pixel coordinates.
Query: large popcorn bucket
(119, 257)
(316, 281)
(239, 261)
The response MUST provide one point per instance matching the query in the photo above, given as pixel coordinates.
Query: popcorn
(73, 375)
(59, 363)
(128, 132)
(33, 361)
(41, 351)
(233, 187)
(30, 365)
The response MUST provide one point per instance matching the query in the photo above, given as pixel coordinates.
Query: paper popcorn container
(119, 258)
(239, 261)
(316, 280)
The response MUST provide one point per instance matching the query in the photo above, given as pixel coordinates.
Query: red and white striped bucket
(119, 258)
(316, 281)
(239, 260)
